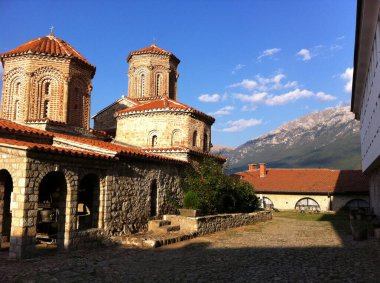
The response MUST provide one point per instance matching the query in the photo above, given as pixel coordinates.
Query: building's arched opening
(356, 204)
(6, 194)
(153, 199)
(267, 203)
(51, 215)
(307, 204)
(88, 202)
(154, 141)
(176, 138)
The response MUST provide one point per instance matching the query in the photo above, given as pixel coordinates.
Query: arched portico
(6, 193)
(88, 202)
(51, 215)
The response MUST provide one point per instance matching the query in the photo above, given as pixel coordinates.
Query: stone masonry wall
(124, 195)
(171, 129)
(213, 223)
(128, 209)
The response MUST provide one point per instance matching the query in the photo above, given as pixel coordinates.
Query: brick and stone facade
(65, 183)
(41, 85)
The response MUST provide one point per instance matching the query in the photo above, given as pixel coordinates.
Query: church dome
(152, 49)
(47, 46)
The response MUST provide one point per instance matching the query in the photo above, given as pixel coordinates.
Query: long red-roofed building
(322, 189)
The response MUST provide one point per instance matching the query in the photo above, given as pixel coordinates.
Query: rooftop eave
(366, 22)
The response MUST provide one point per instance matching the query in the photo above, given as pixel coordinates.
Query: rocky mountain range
(324, 139)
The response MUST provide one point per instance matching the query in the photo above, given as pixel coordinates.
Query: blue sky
(253, 65)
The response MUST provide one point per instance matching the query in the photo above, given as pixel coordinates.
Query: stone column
(24, 219)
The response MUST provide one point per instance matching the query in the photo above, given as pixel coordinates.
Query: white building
(366, 92)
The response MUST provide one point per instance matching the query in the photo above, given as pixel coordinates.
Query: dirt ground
(285, 249)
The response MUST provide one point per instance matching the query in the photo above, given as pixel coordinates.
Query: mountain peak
(327, 138)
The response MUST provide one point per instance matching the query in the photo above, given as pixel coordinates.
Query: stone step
(169, 228)
(153, 225)
(151, 240)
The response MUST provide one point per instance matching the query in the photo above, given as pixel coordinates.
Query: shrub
(191, 200)
(206, 187)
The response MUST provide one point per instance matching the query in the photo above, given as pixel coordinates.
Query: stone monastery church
(65, 183)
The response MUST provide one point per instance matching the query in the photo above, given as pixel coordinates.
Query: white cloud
(249, 108)
(246, 84)
(265, 83)
(347, 76)
(288, 97)
(268, 53)
(343, 103)
(209, 97)
(252, 98)
(237, 68)
(305, 54)
(240, 125)
(227, 110)
(324, 96)
(272, 100)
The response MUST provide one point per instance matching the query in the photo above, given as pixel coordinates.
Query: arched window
(17, 110)
(154, 141)
(357, 204)
(195, 137)
(18, 88)
(267, 203)
(142, 85)
(205, 142)
(46, 109)
(176, 138)
(158, 84)
(47, 88)
(307, 204)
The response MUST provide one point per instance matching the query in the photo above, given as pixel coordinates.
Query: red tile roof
(47, 45)
(119, 150)
(53, 149)
(184, 149)
(164, 103)
(153, 49)
(12, 127)
(307, 181)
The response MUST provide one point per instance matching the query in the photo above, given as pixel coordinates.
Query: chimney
(252, 167)
(263, 170)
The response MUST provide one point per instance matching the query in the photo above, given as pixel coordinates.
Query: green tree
(206, 187)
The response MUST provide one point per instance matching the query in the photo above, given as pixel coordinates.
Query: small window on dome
(158, 84)
(142, 85)
(17, 110)
(154, 141)
(195, 137)
(46, 109)
(47, 88)
(18, 88)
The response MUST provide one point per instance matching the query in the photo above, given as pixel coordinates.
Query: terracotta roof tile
(119, 150)
(153, 49)
(182, 149)
(164, 103)
(18, 128)
(53, 149)
(307, 180)
(47, 45)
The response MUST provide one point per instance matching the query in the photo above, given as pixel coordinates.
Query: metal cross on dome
(52, 29)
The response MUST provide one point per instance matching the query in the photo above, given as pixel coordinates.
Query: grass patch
(339, 220)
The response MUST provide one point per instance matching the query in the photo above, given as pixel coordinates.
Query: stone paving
(280, 250)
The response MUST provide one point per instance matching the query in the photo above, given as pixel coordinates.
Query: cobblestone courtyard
(284, 249)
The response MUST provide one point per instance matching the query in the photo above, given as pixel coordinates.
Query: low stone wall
(213, 223)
